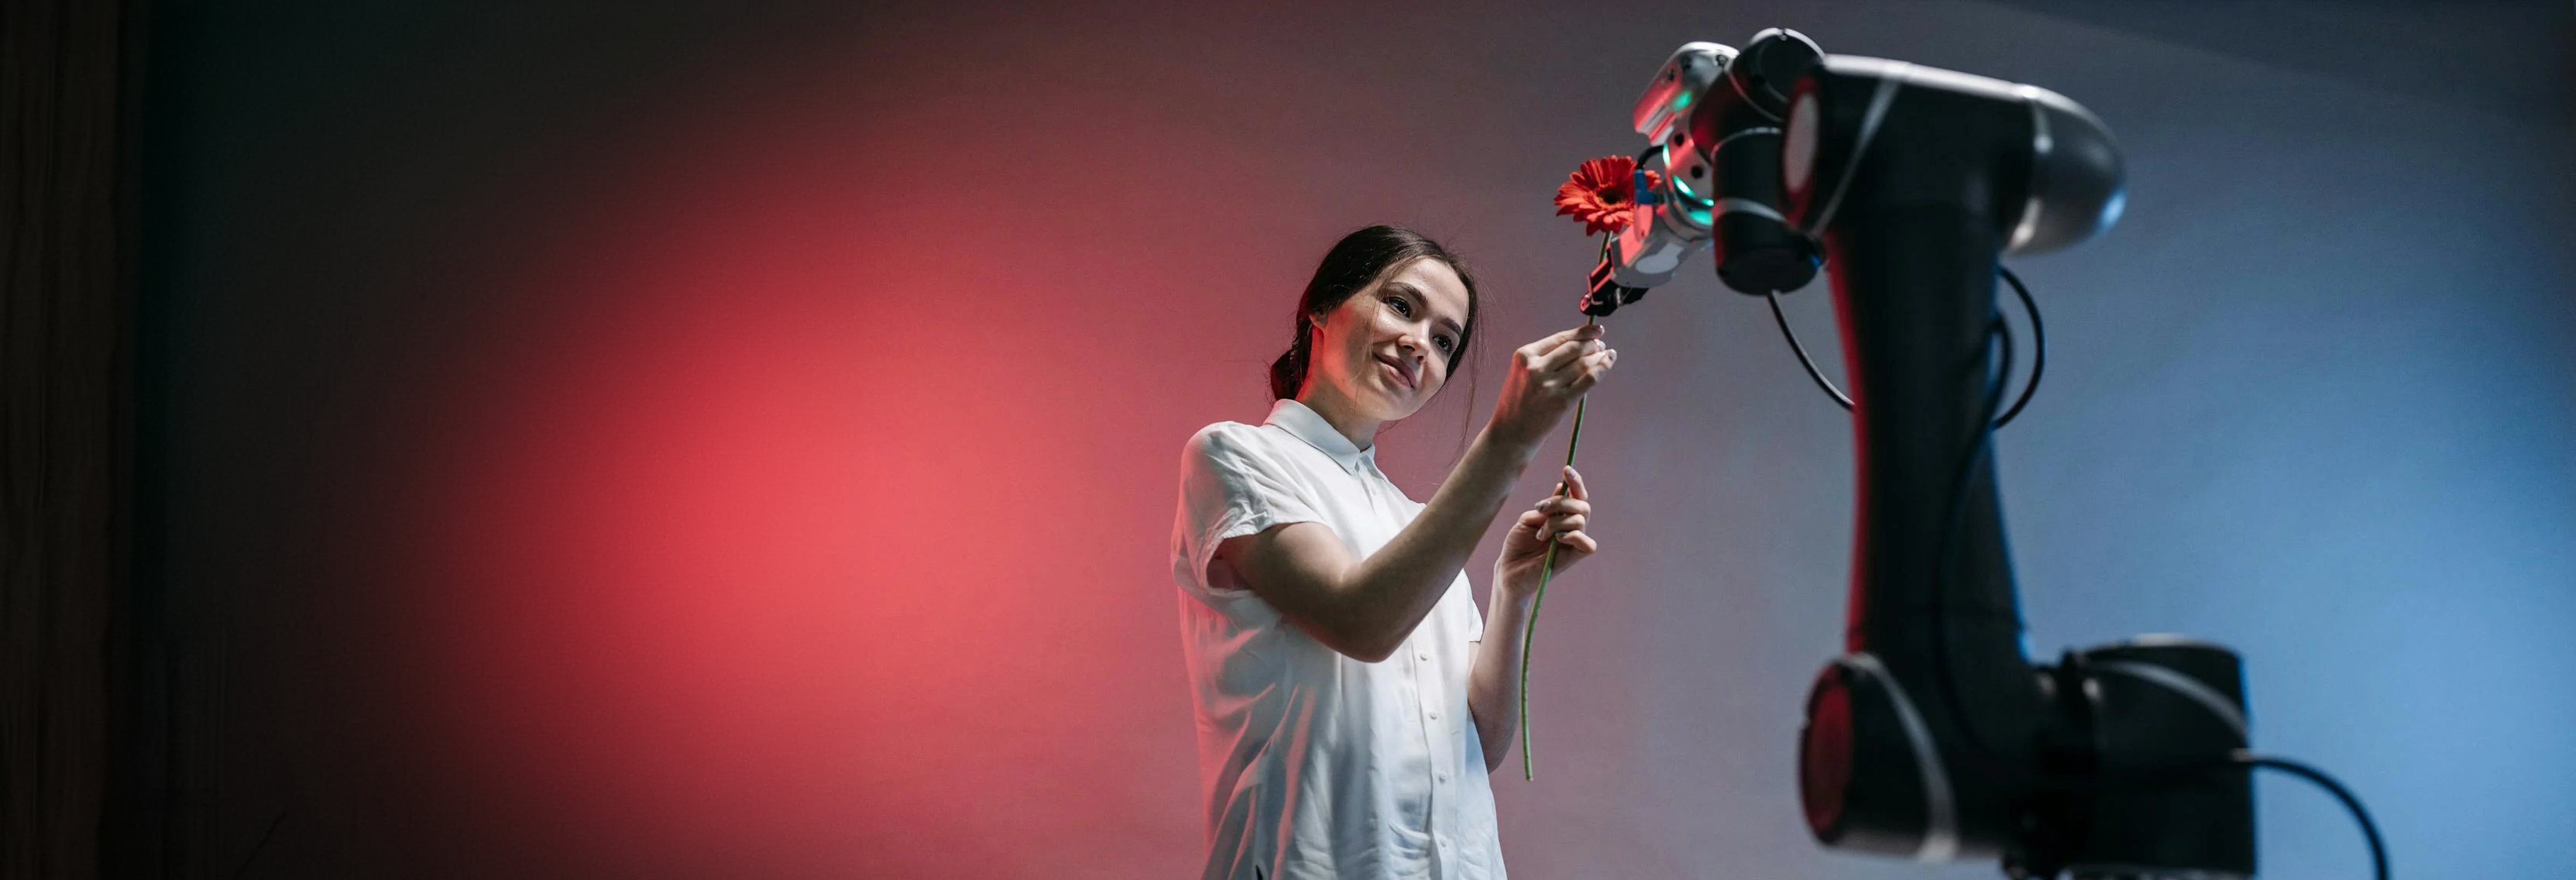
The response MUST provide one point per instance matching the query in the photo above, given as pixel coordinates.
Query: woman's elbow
(1354, 642)
(1366, 648)
(1371, 653)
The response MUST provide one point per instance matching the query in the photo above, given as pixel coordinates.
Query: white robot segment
(1671, 221)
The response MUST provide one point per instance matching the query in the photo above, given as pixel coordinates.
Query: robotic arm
(1933, 736)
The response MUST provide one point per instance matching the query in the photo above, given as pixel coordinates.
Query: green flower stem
(1547, 569)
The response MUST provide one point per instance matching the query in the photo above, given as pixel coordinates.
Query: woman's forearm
(1391, 591)
(1493, 677)
(1366, 608)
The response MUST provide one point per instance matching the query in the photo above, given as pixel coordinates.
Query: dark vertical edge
(133, 841)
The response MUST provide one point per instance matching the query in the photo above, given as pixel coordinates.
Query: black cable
(2038, 345)
(1803, 360)
(2369, 830)
(2038, 359)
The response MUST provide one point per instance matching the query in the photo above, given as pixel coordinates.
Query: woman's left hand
(1558, 520)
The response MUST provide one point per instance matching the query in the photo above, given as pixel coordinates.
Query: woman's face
(1387, 348)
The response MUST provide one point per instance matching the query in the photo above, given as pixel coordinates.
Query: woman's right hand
(1546, 378)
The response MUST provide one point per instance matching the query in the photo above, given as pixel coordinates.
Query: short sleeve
(1231, 485)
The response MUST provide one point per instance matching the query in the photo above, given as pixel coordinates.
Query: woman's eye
(1401, 307)
(1443, 342)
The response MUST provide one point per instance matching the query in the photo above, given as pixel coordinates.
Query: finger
(1548, 527)
(1581, 543)
(1551, 341)
(1598, 360)
(1582, 383)
(1565, 356)
(1531, 519)
(1555, 504)
(1574, 487)
(1590, 370)
(1582, 337)
(1572, 522)
(1562, 359)
(1565, 338)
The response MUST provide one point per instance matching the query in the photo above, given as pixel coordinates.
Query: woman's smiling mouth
(1402, 374)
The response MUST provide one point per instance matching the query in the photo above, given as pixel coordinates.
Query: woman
(1350, 699)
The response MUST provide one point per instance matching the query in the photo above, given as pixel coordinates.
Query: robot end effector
(1728, 153)
(1709, 178)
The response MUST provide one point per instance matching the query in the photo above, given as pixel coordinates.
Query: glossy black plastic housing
(2131, 777)
(1736, 128)
(1934, 737)
(2036, 167)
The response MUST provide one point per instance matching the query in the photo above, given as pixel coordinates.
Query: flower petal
(1601, 193)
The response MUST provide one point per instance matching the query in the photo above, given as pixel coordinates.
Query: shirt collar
(1306, 424)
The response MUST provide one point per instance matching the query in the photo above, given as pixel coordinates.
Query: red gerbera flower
(1602, 193)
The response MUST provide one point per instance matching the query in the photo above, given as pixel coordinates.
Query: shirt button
(1435, 716)
(1424, 656)
(1440, 777)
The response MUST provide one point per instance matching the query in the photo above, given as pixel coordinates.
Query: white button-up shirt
(1314, 765)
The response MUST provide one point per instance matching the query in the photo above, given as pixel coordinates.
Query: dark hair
(1353, 262)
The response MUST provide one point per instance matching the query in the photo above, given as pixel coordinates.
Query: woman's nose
(1411, 342)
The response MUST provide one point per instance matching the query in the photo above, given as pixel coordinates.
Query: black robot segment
(1934, 736)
